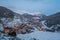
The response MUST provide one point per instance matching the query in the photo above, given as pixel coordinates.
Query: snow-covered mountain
(53, 22)
(30, 25)
(6, 15)
(10, 18)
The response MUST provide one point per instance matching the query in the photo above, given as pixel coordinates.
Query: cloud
(45, 6)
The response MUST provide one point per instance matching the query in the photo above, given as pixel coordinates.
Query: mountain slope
(53, 21)
(9, 18)
(6, 13)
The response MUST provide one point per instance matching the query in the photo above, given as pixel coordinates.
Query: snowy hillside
(36, 35)
(28, 27)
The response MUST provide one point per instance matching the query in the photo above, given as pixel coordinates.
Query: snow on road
(40, 36)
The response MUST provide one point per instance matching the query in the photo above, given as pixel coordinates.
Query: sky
(46, 7)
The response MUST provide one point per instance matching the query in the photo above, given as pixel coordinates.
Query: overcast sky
(47, 7)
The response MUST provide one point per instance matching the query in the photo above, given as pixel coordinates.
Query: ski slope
(40, 36)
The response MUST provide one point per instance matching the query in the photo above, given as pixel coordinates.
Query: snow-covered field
(37, 35)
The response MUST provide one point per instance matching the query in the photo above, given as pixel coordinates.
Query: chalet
(15, 28)
(41, 29)
(9, 31)
(6, 30)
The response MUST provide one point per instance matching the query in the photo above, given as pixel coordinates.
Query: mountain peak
(5, 12)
